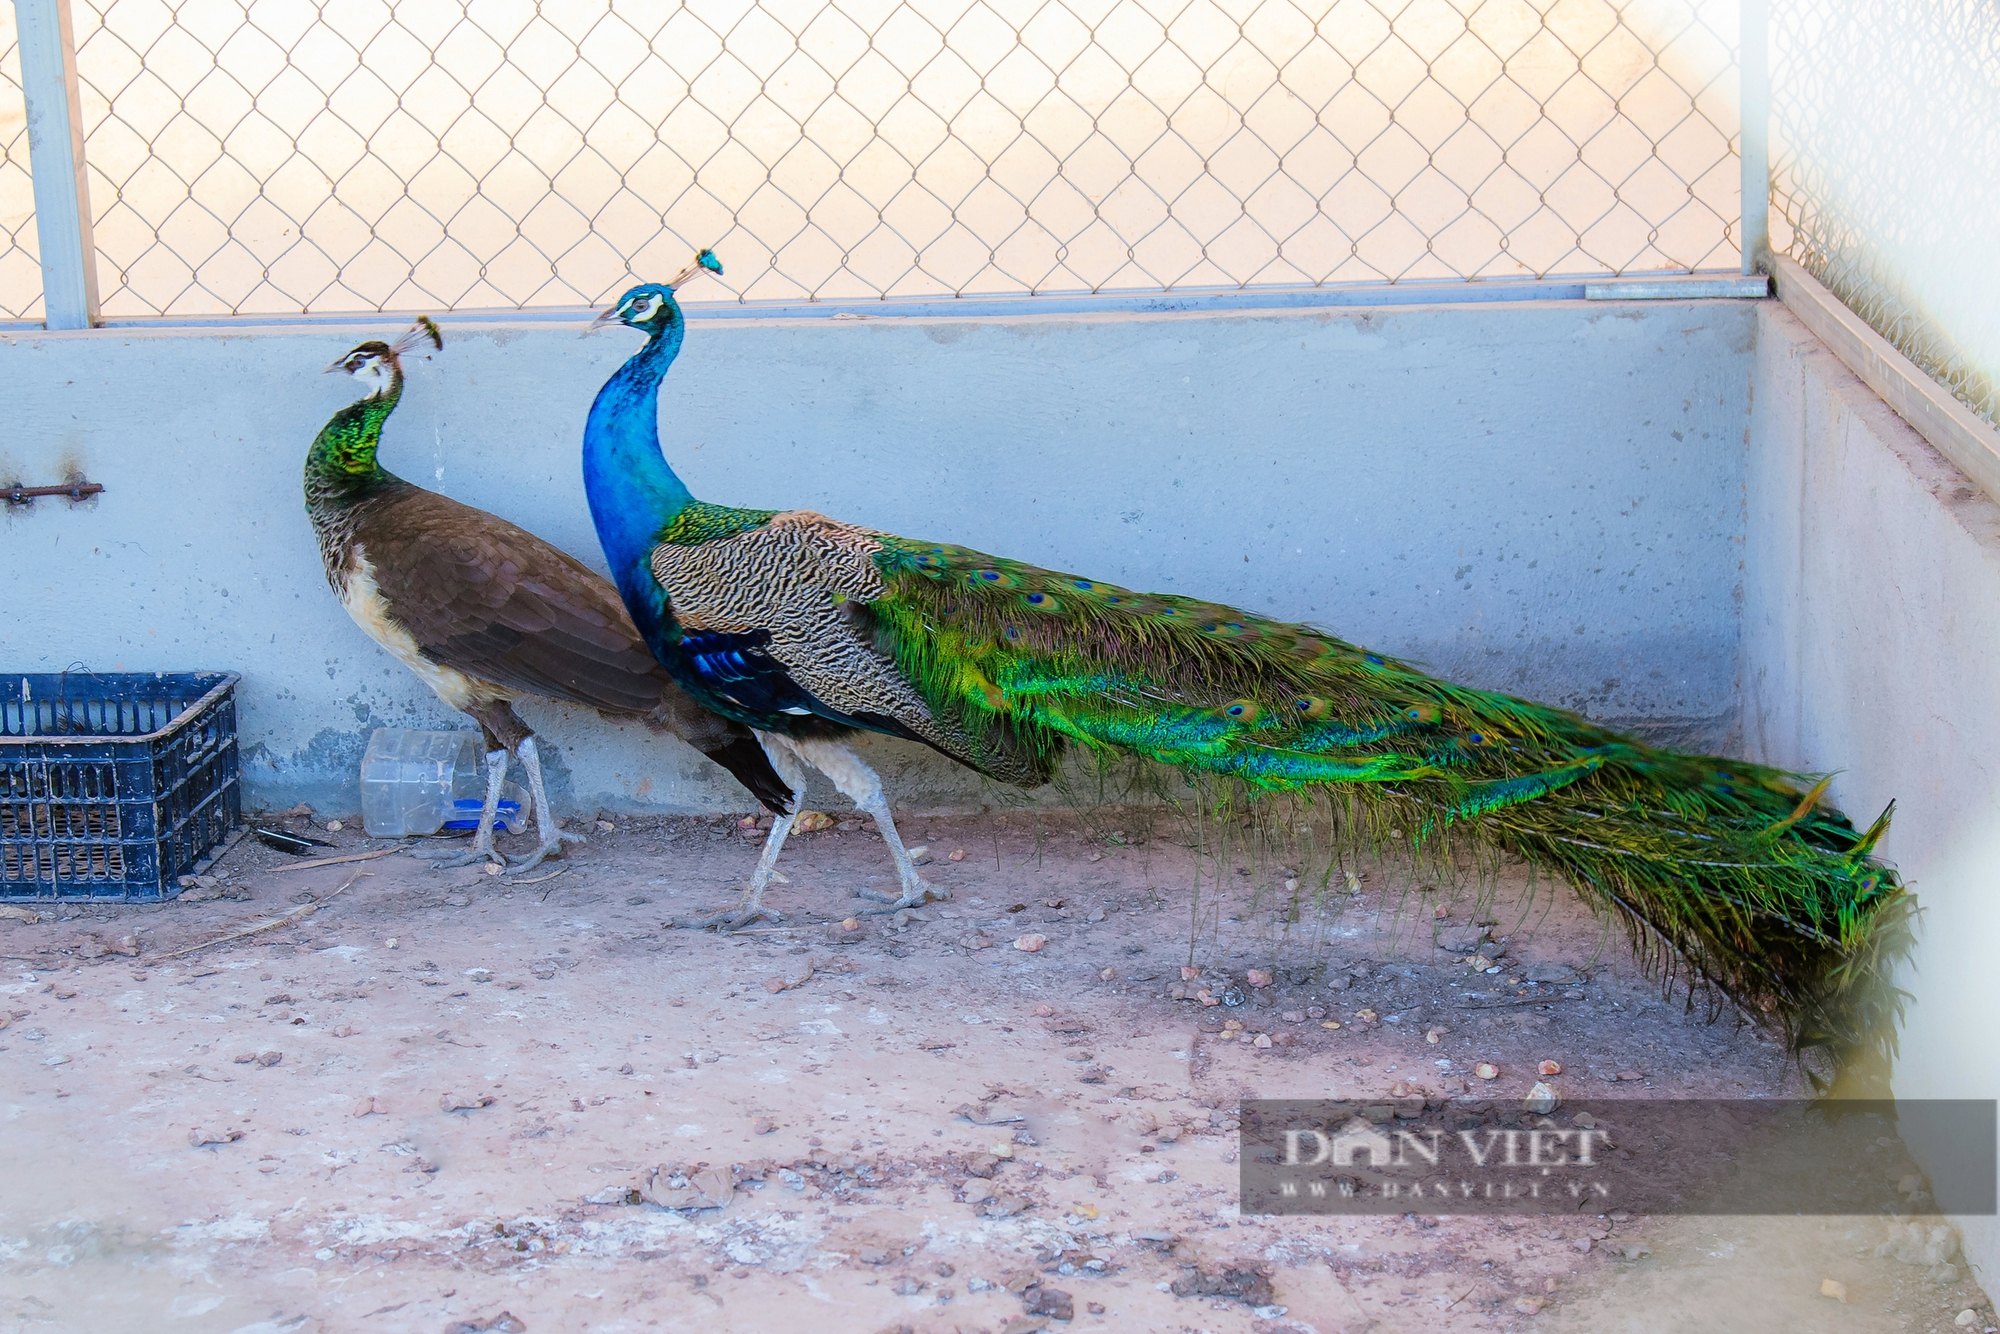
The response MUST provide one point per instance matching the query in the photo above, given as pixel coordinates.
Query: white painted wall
(1542, 497)
(1871, 645)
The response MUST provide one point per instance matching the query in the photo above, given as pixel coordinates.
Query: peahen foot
(482, 841)
(553, 835)
(552, 848)
(475, 853)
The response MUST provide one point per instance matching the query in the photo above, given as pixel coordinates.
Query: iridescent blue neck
(633, 494)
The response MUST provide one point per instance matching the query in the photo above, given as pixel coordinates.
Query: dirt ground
(452, 1101)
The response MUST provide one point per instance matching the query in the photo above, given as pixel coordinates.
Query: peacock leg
(553, 837)
(859, 783)
(482, 842)
(751, 906)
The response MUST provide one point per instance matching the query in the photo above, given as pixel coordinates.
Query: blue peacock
(807, 629)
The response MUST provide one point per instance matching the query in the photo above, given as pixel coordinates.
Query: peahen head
(651, 307)
(379, 366)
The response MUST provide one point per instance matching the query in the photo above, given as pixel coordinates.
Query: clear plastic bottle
(410, 778)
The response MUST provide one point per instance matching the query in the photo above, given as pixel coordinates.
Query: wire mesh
(1880, 110)
(288, 155)
(20, 258)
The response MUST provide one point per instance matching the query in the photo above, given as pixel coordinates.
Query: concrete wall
(1871, 646)
(1543, 497)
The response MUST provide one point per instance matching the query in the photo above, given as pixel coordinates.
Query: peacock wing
(777, 617)
(490, 599)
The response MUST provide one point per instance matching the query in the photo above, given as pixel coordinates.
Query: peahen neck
(633, 493)
(341, 467)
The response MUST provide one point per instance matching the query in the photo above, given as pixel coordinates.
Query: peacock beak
(605, 318)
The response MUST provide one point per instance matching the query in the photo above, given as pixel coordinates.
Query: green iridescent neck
(343, 454)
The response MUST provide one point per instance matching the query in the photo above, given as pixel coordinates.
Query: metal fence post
(55, 159)
(1754, 70)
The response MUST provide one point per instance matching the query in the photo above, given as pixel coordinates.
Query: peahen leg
(482, 842)
(859, 783)
(751, 906)
(553, 837)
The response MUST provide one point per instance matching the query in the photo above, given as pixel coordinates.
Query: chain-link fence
(288, 155)
(1881, 112)
(20, 261)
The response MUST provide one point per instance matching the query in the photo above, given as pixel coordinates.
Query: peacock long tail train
(803, 628)
(1751, 881)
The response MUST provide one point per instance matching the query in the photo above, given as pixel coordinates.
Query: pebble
(774, 985)
(1261, 1040)
(762, 1125)
(1331, 1025)
(1030, 944)
(1549, 1068)
(978, 940)
(1967, 1317)
(1108, 975)
(1629, 1075)
(957, 855)
(1528, 1305)
(812, 822)
(345, 1031)
(606, 827)
(464, 1102)
(851, 924)
(1295, 1016)
(1366, 1016)
(479, 974)
(1045, 1011)
(1258, 977)
(1486, 1070)
(1315, 1012)
(201, 1139)
(334, 826)
(1434, 1035)
(391, 942)
(1541, 1100)
(1833, 1288)
(367, 1107)
(1583, 1245)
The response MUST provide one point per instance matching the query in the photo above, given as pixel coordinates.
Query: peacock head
(650, 307)
(379, 365)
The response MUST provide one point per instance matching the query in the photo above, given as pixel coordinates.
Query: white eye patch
(643, 308)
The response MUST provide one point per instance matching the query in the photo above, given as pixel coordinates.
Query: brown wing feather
(494, 601)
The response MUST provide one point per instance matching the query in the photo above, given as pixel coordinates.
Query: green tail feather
(1736, 873)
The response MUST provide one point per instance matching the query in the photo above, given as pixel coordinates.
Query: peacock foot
(466, 858)
(916, 894)
(732, 919)
(552, 848)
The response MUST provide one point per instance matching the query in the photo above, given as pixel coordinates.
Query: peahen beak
(340, 365)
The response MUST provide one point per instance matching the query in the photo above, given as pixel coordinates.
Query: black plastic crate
(114, 785)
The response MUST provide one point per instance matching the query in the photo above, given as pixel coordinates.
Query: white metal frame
(55, 160)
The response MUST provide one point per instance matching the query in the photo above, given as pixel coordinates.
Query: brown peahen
(485, 612)
(807, 629)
